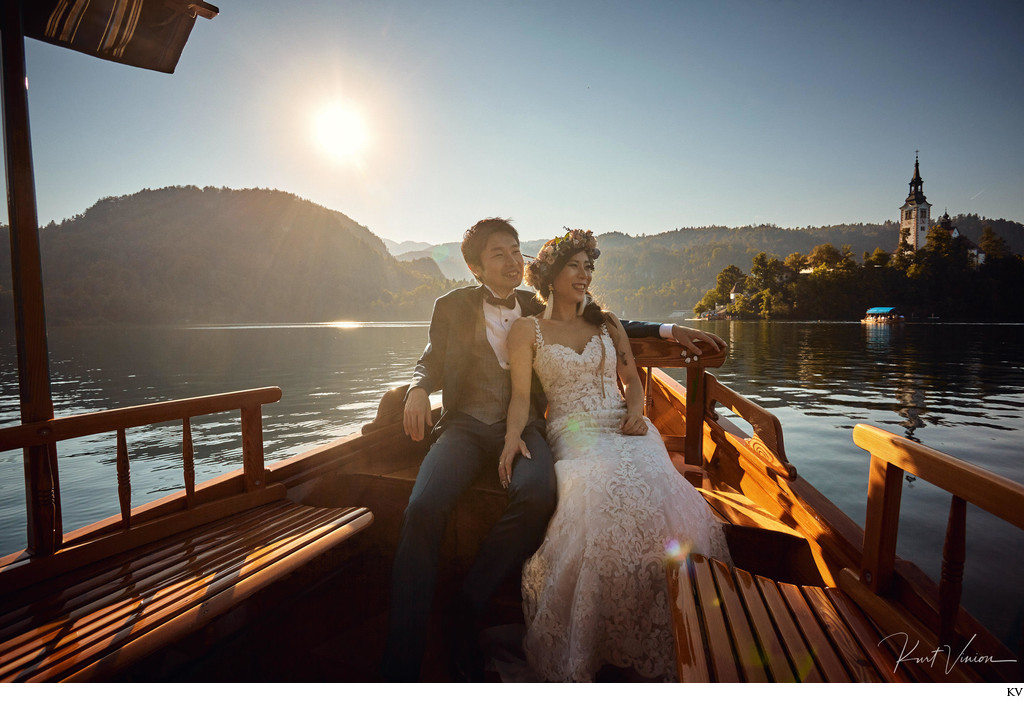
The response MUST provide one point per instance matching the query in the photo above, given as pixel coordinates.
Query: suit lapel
(528, 302)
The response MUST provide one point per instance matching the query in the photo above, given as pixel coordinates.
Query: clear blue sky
(633, 116)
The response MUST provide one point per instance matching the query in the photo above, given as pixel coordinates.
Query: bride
(594, 593)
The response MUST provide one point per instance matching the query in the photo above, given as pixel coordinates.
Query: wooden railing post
(252, 447)
(951, 582)
(188, 461)
(42, 489)
(124, 480)
(695, 391)
(885, 489)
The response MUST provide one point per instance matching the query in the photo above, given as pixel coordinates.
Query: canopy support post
(45, 530)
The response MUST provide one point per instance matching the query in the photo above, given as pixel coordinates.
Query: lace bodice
(578, 385)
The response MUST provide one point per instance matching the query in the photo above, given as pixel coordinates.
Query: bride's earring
(550, 304)
(583, 305)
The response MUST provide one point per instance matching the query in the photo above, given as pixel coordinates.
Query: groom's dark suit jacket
(455, 321)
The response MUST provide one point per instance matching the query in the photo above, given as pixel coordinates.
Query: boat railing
(767, 441)
(44, 513)
(891, 457)
(661, 353)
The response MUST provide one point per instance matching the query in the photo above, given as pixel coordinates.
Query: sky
(639, 117)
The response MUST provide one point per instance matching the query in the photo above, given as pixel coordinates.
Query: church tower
(915, 212)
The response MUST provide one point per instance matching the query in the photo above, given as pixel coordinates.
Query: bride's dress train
(595, 591)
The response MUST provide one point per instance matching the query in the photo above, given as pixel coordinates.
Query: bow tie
(509, 301)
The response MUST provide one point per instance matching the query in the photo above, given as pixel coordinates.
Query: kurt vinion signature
(929, 659)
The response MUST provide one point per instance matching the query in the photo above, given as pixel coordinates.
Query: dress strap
(539, 337)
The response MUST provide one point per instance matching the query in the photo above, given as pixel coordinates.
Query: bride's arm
(520, 355)
(633, 424)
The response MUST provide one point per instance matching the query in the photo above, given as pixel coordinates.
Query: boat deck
(333, 614)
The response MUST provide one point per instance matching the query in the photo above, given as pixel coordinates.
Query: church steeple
(915, 212)
(916, 195)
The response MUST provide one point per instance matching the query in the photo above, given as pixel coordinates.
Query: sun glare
(341, 131)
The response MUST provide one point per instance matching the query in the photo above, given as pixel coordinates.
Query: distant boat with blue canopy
(882, 315)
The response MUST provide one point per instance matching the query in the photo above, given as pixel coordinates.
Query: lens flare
(676, 551)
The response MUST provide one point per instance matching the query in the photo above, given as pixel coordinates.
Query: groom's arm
(429, 371)
(683, 335)
(428, 375)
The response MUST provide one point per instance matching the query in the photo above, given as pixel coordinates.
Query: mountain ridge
(215, 255)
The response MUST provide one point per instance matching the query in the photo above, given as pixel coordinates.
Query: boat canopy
(881, 310)
(142, 33)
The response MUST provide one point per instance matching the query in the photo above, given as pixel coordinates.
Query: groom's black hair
(475, 238)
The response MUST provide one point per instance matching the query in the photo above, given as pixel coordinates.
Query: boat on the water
(280, 572)
(882, 315)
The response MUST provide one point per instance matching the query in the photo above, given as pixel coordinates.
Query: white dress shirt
(497, 322)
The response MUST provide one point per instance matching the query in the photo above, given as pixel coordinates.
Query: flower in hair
(559, 248)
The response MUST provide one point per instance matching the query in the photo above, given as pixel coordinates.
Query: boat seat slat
(768, 639)
(731, 625)
(796, 648)
(868, 637)
(857, 662)
(115, 611)
(748, 654)
(719, 643)
(831, 666)
(690, 652)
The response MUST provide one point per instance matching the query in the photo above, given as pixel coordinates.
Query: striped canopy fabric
(143, 33)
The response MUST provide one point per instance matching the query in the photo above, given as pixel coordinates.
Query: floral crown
(573, 241)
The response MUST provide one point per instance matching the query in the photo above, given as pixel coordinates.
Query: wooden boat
(882, 315)
(280, 572)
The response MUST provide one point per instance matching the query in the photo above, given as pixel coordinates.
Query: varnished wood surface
(65, 427)
(890, 457)
(998, 495)
(756, 629)
(91, 623)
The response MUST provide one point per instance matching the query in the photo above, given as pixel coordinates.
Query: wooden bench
(92, 622)
(117, 591)
(732, 625)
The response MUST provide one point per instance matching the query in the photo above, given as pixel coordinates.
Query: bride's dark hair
(552, 257)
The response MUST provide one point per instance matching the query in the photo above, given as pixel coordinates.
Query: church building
(915, 220)
(915, 214)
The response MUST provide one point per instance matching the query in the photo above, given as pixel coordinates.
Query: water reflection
(331, 376)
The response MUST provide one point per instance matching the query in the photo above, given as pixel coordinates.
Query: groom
(467, 360)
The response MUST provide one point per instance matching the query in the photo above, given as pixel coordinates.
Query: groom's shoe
(465, 659)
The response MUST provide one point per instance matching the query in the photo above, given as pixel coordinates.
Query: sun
(340, 130)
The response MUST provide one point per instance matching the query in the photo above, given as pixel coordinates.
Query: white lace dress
(595, 591)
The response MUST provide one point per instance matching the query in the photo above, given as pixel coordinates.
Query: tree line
(946, 278)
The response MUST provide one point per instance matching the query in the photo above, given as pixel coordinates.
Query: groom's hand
(688, 338)
(417, 413)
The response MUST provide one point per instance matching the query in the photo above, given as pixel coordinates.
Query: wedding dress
(595, 591)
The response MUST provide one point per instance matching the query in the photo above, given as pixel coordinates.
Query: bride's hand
(634, 425)
(513, 447)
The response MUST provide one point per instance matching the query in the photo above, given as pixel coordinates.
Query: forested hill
(648, 277)
(190, 255)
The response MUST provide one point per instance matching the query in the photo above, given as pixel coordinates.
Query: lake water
(957, 388)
